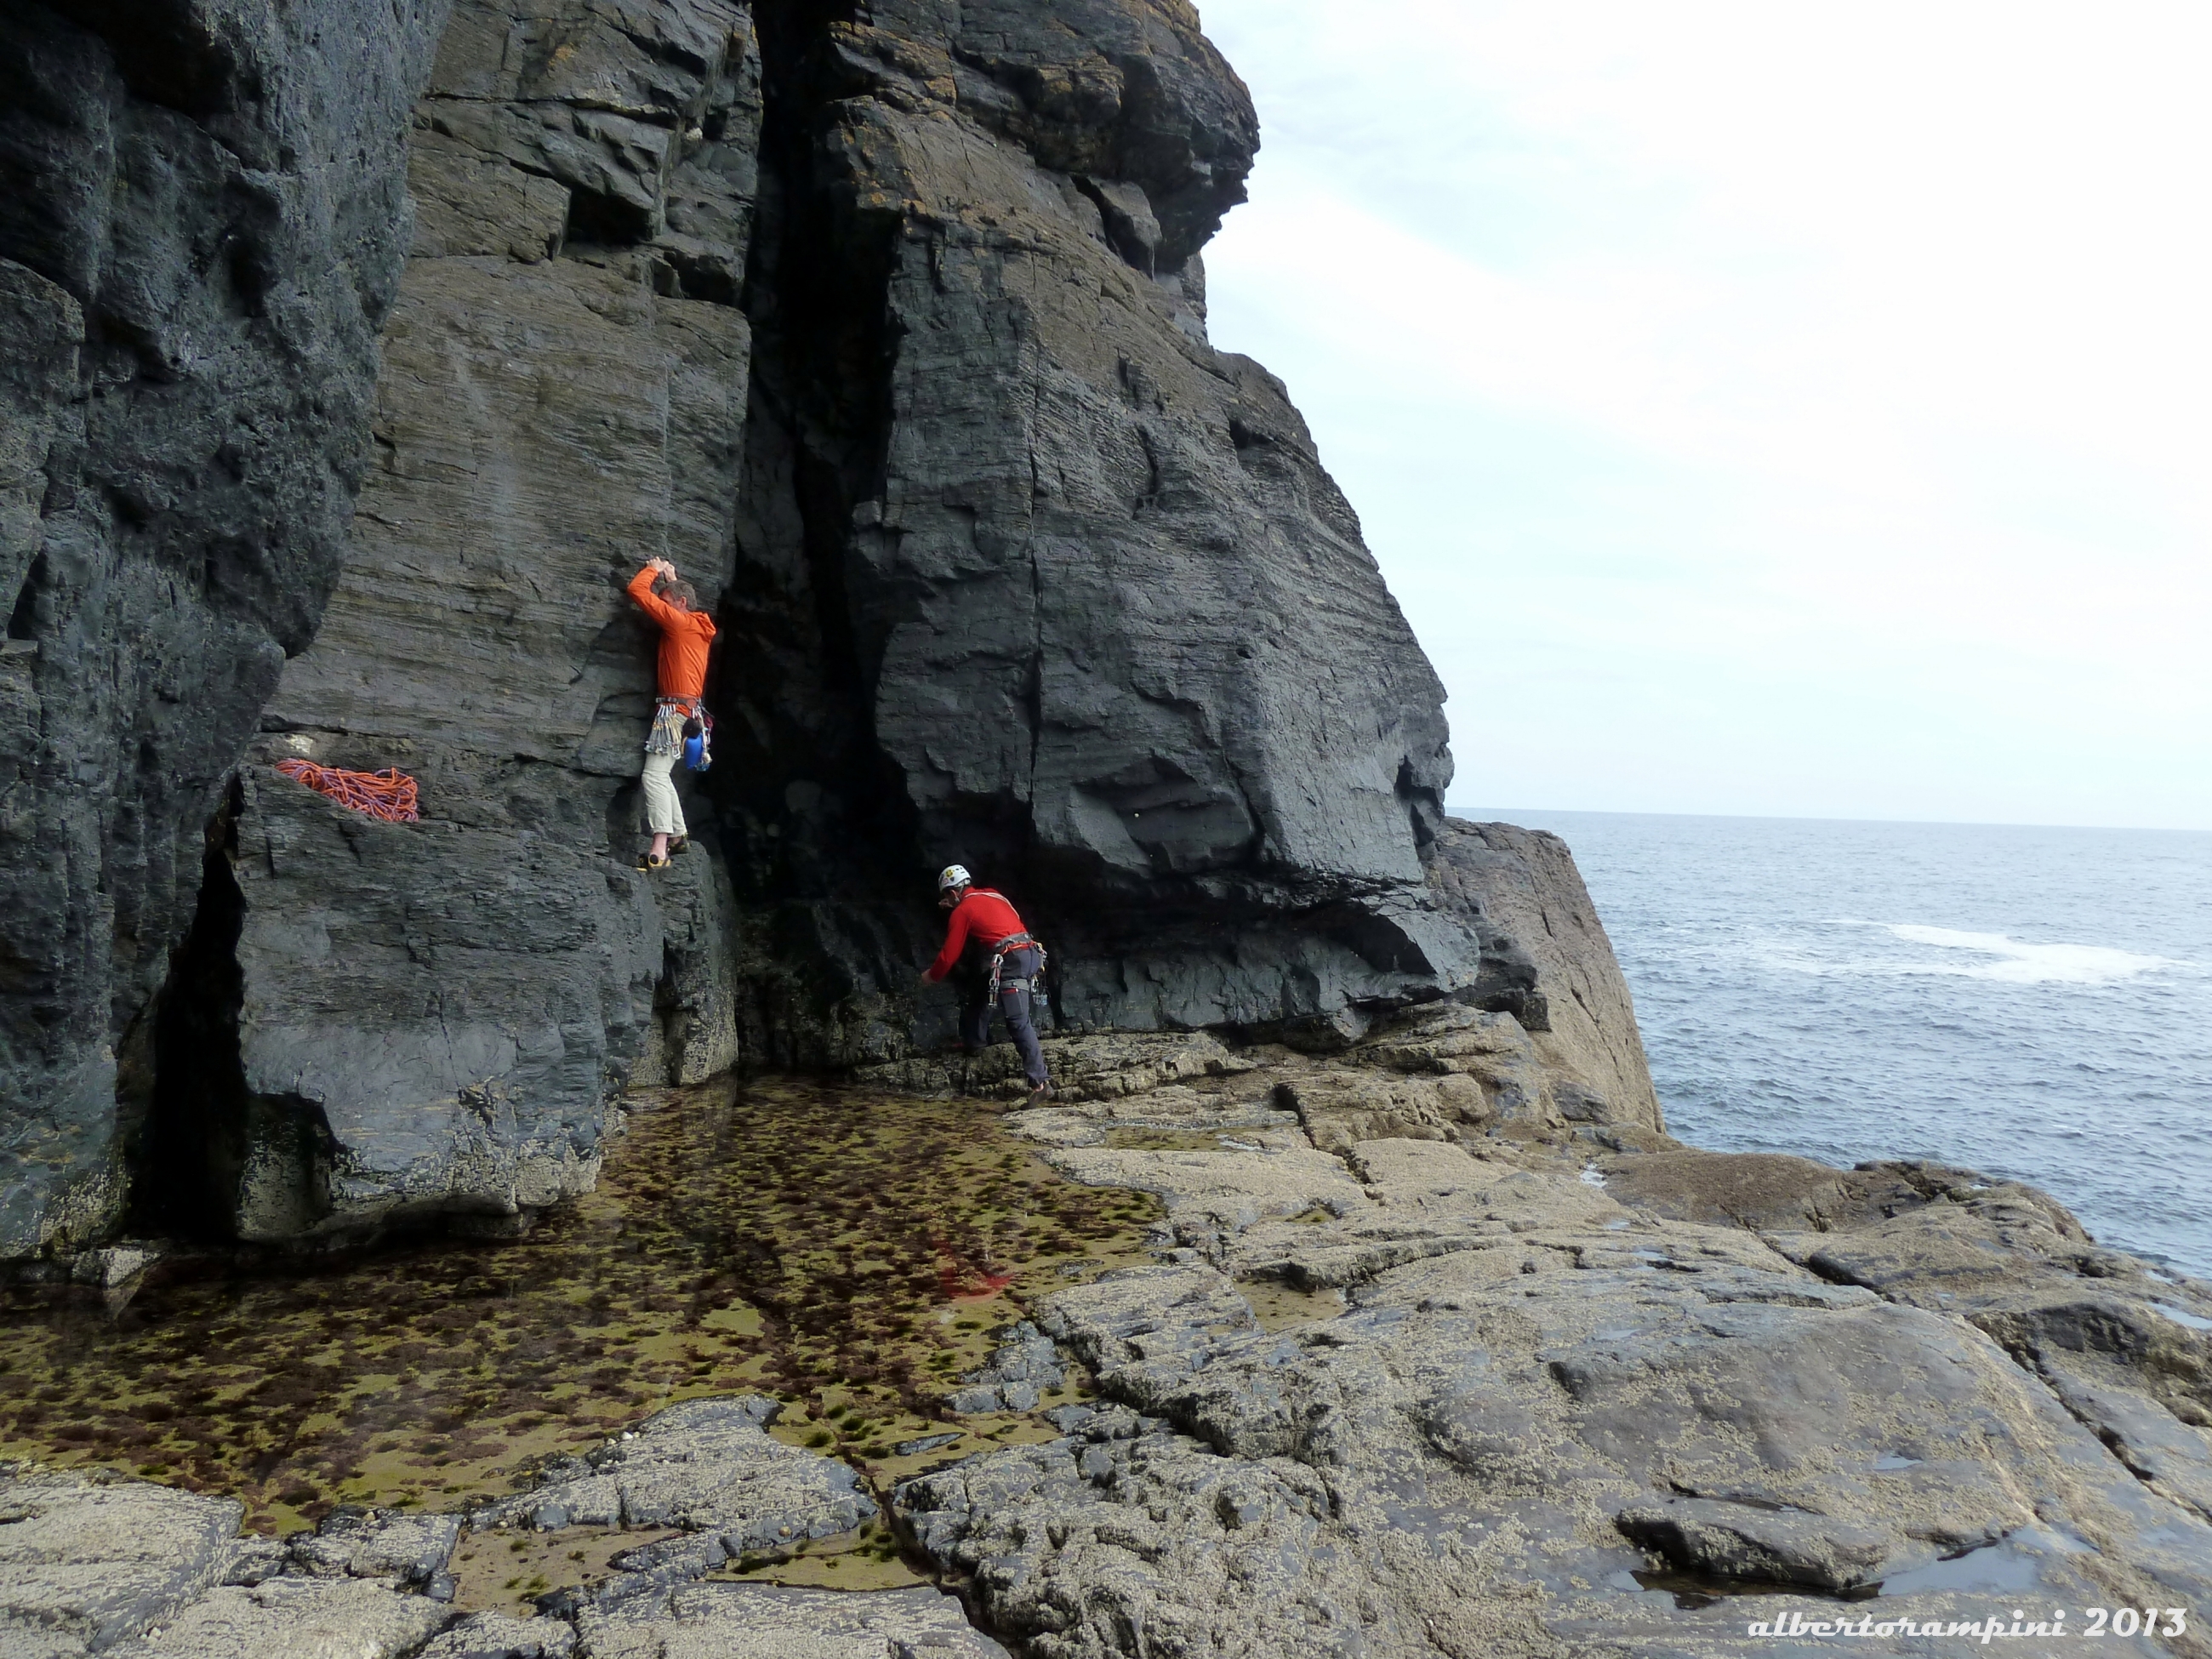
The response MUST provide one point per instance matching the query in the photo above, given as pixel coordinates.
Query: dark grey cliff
(889, 328)
(203, 212)
(1032, 578)
(430, 1019)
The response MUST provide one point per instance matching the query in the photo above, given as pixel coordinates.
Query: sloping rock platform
(1581, 1391)
(1411, 1372)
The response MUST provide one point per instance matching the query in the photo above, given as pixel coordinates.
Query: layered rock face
(890, 332)
(203, 212)
(427, 1018)
(1033, 579)
(1546, 960)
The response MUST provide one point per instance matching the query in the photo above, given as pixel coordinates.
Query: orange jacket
(684, 637)
(985, 915)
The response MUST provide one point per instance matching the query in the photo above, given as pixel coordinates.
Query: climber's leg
(1015, 1004)
(663, 813)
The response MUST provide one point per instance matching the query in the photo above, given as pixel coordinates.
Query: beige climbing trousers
(664, 813)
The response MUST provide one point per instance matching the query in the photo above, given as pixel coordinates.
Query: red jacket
(983, 914)
(684, 637)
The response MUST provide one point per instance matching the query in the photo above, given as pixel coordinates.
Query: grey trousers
(1014, 1008)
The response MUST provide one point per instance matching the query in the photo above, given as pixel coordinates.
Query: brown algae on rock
(848, 1250)
(503, 1571)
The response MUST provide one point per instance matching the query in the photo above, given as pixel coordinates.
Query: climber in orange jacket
(984, 937)
(686, 634)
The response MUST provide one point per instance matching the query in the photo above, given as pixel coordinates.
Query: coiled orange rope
(389, 795)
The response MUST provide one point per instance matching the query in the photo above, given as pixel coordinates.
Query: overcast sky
(1762, 408)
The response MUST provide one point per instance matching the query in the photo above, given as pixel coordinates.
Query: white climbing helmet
(952, 876)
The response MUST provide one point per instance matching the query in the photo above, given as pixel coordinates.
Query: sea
(2031, 1003)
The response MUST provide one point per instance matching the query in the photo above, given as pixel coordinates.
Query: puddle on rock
(1164, 1140)
(1691, 1590)
(1279, 1308)
(2180, 1316)
(506, 1571)
(846, 1250)
(2009, 1566)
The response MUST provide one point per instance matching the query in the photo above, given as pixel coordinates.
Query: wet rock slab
(1571, 1400)
(295, 1619)
(88, 1562)
(848, 1224)
(706, 1465)
(757, 1621)
(1555, 1421)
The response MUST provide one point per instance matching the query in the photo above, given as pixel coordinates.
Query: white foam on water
(1978, 955)
(2034, 964)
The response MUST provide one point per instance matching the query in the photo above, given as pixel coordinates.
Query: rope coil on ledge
(389, 795)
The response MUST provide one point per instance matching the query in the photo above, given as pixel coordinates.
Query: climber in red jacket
(686, 634)
(1002, 965)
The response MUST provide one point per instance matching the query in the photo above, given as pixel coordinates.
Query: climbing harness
(1005, 948)
(389, 795)
(684, 726)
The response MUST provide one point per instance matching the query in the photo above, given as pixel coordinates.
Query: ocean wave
(1978, 955)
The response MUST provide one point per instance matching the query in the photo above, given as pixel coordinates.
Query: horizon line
(1455, 811)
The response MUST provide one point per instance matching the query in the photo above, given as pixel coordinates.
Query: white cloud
(1762, 408)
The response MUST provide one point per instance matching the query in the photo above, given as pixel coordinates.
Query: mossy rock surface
(847, 1249)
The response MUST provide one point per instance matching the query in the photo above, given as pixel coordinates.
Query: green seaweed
(835, 1246)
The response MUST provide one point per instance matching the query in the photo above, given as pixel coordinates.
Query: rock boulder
(1546, 959)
